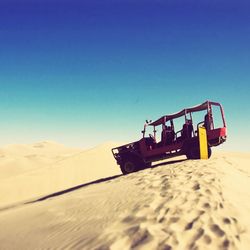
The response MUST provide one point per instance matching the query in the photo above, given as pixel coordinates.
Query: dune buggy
(173, 142)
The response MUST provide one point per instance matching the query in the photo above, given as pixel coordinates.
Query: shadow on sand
(168, 163)
(94, 182)
(80, 186)
(74, 188)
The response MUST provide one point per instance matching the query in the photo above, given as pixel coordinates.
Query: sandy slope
(185, 205)
(28, 171)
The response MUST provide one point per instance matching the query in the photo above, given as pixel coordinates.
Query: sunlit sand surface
(202, 204)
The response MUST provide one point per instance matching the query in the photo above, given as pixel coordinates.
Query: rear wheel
(209, 152)
(193, 153)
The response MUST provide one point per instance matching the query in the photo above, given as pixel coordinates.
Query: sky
(85, 72)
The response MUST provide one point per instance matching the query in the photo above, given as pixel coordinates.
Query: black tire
(148, 165)
(209, 152)
(128, 167)
(193, 153)
(131, 164)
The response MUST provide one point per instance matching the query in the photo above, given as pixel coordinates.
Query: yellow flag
(203, 143)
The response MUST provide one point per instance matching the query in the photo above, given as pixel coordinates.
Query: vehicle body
(140, 154)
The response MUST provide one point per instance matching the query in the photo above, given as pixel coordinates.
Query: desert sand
(53, 197)
(28, 171)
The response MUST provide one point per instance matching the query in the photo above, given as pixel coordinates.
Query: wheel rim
(129, 167)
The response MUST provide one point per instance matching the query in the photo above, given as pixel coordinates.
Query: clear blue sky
(85, 72)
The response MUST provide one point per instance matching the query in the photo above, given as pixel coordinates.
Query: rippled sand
(186, 204)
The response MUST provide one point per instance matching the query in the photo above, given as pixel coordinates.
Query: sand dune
(184, 205)
(28, 171)
(17, 159)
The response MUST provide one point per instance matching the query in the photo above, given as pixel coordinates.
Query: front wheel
(128, 167)
(132, 164)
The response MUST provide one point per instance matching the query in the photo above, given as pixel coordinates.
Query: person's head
(208, 116)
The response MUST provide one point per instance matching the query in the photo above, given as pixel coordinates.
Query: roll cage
(208, 122)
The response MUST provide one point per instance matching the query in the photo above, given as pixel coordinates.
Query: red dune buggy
(171, 141)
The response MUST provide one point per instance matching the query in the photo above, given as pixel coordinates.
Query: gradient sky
(85, 72)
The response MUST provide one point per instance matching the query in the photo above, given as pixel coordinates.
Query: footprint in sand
(217, 230)
(208, 191)
(199, 234)
(207, 239)
(196, 186)
(206, 205)
(226, 244)
(164, 247)
(141, 236)
(174, 219)
(226, 221)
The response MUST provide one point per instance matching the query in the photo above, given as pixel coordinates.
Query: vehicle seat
(150, 143)
(207, 123)
(167, 136)
(187, 130)
(170, 135)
